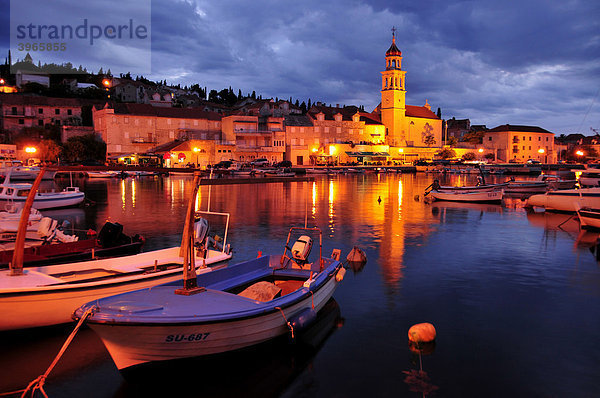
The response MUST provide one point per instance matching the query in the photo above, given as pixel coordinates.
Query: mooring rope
(38, 383)
(289, 325)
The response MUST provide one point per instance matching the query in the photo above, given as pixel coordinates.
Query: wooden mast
(190, 284)
(16, 266)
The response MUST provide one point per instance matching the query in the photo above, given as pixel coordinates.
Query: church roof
(420, 111)
(393, 50)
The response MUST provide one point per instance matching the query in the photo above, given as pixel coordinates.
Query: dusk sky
(528, 62)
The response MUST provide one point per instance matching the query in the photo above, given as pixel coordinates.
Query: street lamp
(196, 150)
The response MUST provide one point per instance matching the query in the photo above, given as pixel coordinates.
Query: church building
(405, 125)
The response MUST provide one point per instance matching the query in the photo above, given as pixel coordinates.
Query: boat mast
(16, 266)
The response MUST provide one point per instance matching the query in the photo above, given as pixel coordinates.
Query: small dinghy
(218, 311)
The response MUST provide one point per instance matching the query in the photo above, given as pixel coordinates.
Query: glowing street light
(196, 150)
(579, 153)
(30, 149)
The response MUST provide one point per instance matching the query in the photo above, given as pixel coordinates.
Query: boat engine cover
(302, 247)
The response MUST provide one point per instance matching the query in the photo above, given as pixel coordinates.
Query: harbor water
(514, 295)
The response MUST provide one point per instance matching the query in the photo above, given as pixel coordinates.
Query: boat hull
(568, 200)
(589, 218)
(131, 345)
(469, 197)
(36, 299)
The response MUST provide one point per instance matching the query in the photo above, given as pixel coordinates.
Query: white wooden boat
(589, 218)
(566, 199)
(468, 196)
(17, 194)
(235, 307)
(468, 188)
(280, 173)
(48, 295)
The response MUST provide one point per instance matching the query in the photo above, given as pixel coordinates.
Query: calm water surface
(514, 296)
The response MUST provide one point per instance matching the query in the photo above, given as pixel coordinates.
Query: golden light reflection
(399, 199)
(314, 198)
(133, 192)
(331, 198)
(123, 201)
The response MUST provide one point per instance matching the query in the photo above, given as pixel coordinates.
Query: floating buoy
(356, 255)
(422, 333)
(417, 198)
(379, 200)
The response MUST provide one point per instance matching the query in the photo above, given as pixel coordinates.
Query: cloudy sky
(531, 62)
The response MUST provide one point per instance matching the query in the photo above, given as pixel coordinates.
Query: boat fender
(340, 274)
(422, 333)
(303, 319)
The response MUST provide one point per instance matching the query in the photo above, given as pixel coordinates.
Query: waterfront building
(519, 144)
(19, 111)
(137, 128)
(254, 137)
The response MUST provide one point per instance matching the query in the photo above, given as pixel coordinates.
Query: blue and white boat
(229, 309)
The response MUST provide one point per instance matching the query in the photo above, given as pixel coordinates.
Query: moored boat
(589, 218)
(588, 177)
(17, 194)
(234, 307)
(566, 200)
(468, 196)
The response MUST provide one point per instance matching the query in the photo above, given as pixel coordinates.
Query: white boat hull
(589, 218)
(39, 299)
(567, 200)
(470, 197)
(131, 345)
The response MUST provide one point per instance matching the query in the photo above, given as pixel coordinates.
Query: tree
(48, 150)
(469, 156)
(452, 140)
(473, 137)
(446, 153)
(85, 147)
(490, 156)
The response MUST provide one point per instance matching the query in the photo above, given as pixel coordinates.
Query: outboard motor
(47, 228)
(200, 231)
(301, 249)
(110, 235)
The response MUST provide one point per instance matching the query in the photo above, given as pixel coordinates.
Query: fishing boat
(515, 186)
(481, 187)
(226, 309)
(14, 170)
(555, 182)
(589, 218)
(53, 248)
(566, 199)
(17, 194)
(280, 173)
(468, 196)
(48, 295)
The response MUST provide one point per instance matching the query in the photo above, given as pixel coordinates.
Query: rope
(289, 325)
(38, 383)
(312, 299)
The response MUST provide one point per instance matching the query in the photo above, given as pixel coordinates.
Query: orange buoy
(421, 333)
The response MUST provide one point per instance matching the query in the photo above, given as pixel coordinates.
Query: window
(57, 111)
(21, 121)
(69, 112)
(539, 138)
(338, 130)
(14, 110)
(40, 122)
(530, 138)
(41, 111)
(489, 138)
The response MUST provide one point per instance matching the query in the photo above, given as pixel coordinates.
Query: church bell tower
(393, 94)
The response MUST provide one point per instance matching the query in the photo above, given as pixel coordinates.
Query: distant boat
(14, 170)
(588, 177)
(17, 194)
(526, 187)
